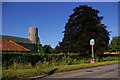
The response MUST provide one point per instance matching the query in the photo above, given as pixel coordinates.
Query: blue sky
(50, 18)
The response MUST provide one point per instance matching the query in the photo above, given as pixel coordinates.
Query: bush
(27, 61)
(20, 66)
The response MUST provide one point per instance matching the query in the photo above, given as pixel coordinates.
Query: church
(18, 44)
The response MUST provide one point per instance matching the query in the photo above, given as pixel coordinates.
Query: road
(109, 71)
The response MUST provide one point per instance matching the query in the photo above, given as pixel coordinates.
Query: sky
(50, 18)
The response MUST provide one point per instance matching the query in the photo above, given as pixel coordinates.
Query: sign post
(92, 42)
(92, 53)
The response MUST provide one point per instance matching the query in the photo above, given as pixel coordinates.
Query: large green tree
(115, 44)
(83, 25)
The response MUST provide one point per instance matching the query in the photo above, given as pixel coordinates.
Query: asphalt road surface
(109, 71)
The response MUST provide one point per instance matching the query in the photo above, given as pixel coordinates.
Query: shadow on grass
(50, 73)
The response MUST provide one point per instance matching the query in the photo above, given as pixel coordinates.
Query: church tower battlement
(33, 35)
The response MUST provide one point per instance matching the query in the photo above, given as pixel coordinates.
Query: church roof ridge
(16, 39)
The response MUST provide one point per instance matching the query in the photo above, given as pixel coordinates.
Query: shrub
(26, 61)
(38, 64)
(20, 66)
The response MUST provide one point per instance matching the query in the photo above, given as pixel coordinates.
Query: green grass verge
(24, 73)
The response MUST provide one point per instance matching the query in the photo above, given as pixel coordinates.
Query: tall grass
(23, 73)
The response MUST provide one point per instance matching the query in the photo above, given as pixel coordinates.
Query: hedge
(9, 59)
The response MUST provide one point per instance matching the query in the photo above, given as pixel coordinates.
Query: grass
(24, 73)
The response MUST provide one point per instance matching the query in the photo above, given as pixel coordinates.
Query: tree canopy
(46, 49)
(115, 44)
(84, 24)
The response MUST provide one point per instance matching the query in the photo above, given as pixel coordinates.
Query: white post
(92, 53)
(92, 42)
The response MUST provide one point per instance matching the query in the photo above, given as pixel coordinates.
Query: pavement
(109, 71)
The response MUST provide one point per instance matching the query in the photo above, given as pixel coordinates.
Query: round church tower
(33, 34)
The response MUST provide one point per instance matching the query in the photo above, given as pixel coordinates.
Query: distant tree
(115, 44)
(38, 41)
(39, 45)
(83, 25)
(45, 48)
(53, 50)
(48, 49)
(57, 49)
(41, 50)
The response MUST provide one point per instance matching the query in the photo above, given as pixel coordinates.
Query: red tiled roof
(8, 45)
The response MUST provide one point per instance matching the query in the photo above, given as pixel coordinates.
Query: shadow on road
(50, 73)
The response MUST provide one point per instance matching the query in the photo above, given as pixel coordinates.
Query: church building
(18, 44)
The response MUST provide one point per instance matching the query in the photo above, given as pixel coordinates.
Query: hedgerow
(28, 60)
